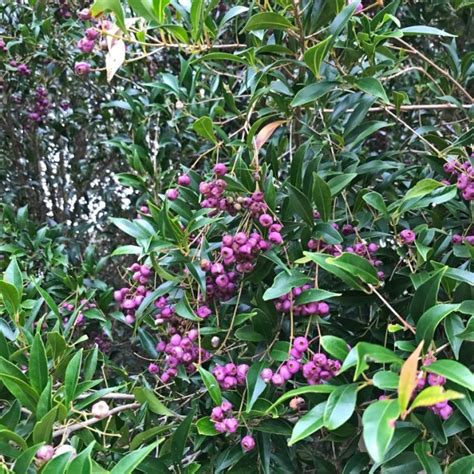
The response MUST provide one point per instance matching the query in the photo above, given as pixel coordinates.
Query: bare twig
(91, 421)
(390, 307)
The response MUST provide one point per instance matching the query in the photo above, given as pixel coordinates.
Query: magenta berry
(247, 443)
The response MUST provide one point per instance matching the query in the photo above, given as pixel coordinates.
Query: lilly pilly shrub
(297, 291)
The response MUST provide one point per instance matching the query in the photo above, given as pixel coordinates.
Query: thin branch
(390, 307)
(407, 108)
(442, 71)
(91, 421)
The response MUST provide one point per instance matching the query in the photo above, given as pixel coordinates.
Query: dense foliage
(290, 287)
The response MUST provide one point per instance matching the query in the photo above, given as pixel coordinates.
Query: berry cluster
(41, 105)
(464, 175)
(457, 239)
(22, 69)
(130, 298)
(222, 418)
(3, 46)
(220, 283)
(316, 370)
(286, 304)
(230, 376)
(80, 319)
(181, 349)
(64, 9)
(442, 409)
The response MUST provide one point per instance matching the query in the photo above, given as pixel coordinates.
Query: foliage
(295, 290)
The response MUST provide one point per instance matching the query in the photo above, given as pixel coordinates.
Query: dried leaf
(114, 58)
(265, 133)
(408, 381)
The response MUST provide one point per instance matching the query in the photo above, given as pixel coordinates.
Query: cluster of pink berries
(130, 298)
(286, 304)
(3, 46)
(443, 409)
(41, 106)
(407, 236)
(230, 376)
(317, 370)
(223, 419)
(457, 239)
(464, 175)
(22, 69)
(64, 9)
(220, 283)
(86, 44)
(180, 350)
(80, 319)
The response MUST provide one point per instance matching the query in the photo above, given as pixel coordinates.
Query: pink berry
(247, 443)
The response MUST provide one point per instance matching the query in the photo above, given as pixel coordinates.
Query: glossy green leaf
(268, 20)
(308, 424)
(340, 406)
(38, 365)
(204, 127)
(322, 197)
(454, 371)
(71, 377)
(131, 461)
(378, 423)
(211, 384)
(315, 55)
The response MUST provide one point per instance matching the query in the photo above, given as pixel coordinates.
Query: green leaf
(145, 395)
(284, 283)
(127, 250)
(9, 435)
(48, 300)
(82, 463)
(430, 319)
(100, 6)
(340, 182)
(463, 465)
(308, 424)
(373, 87)
(335, 346)
(183, 309)
(432, 395)
(130, 462)
(315, 55)
(146, 435)
(326, 232)
(322, 197)
(378, 423)
(255, 385)
(386, 380)
(314, 295)
(11, 297)
(38, 365)
(357, 266)
(454, 371)
(197, 18)
(268, 21)
(341, 20)
(423, 188)
(325, 388)
(340, 406)
(58, 464)
(71, 377)
(204, 127)
(426, 294)
(312, 92)
(211, 384)
(375, 200)
(130, 228)
(301, 205)
(365, 352)
(43, 429)
(205, 427)
(424, 30)
(25, 459)
(180, 436)
(425, 455)
(13, 275)
(26, 395)
(322, 261)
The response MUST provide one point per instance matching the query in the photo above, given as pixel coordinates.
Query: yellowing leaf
(432, 395)
(407, 382)
(265, 133)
